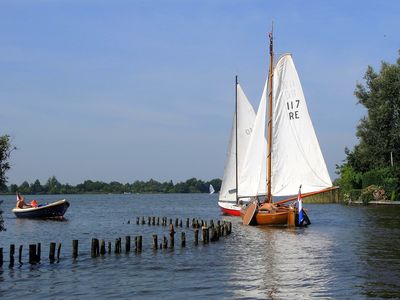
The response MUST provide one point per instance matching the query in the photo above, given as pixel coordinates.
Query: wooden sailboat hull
(279, 217)
(271, 218)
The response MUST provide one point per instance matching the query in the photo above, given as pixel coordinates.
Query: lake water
(347, 253)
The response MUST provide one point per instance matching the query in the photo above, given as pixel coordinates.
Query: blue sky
(133, 90)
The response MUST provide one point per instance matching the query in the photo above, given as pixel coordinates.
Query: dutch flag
(300, 206)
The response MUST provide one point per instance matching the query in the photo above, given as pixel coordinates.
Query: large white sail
(252, 181)
(246, 116)
(296, 155)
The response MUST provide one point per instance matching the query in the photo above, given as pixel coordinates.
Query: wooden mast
(236, 138)
(271, 61)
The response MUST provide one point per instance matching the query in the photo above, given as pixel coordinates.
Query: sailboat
(294, 157)
(211, 189)
(242, 127)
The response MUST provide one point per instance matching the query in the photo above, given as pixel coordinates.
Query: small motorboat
(52, 210)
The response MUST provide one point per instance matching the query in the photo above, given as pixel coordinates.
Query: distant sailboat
(212, 191)
(242, 127)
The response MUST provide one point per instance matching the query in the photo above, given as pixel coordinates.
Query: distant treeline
(52, 186)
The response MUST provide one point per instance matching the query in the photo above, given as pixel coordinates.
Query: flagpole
(300, 206)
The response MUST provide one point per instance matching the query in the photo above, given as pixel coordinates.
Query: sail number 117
(292, 107)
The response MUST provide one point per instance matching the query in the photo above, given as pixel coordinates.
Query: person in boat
(21, 202)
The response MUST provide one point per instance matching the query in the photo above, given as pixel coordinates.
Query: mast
(270, 75)
(236, 139)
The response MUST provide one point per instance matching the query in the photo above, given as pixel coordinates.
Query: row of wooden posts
(98, 247)
(163, 221)
(34, 253)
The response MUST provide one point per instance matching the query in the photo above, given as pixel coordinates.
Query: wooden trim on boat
(307, 195)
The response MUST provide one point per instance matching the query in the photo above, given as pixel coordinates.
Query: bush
(372, 193)
(349, 179)
(384, 177)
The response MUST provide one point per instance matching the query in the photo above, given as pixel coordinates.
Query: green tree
(5, 152)
(24, 188)
(13, 188)
(3, 188)
(378, 132)
(36, 187)
(52, 186)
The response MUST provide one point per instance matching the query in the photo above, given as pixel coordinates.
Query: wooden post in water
(158, 221)
(93, 248)
(52, 252)
(204, 237)
(193, 222)
(187, 222)
(102, 247)
(58, 252)
(170, 221)
(180, 223)
(165, 242)
(223, 228)
(183, 239)
(155, 243)
(148, 220)
(153, 220)
(109, 247)
(137, 220)
(38, 252)
(32, 254)
(75, 248)
(139, 240)
(136, 244)
(219, 228)
(143, 222)
(1, 257)
(176, 222)
(196, 236)
(171, 236)
(230, 227)
(128, 244)
(118, 246)
(12, 252)
(212, 234)
(20, 256)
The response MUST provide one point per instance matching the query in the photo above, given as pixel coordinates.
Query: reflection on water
(347, 252)
(380, 252)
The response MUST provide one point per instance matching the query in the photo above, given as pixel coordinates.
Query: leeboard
(250, 211)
